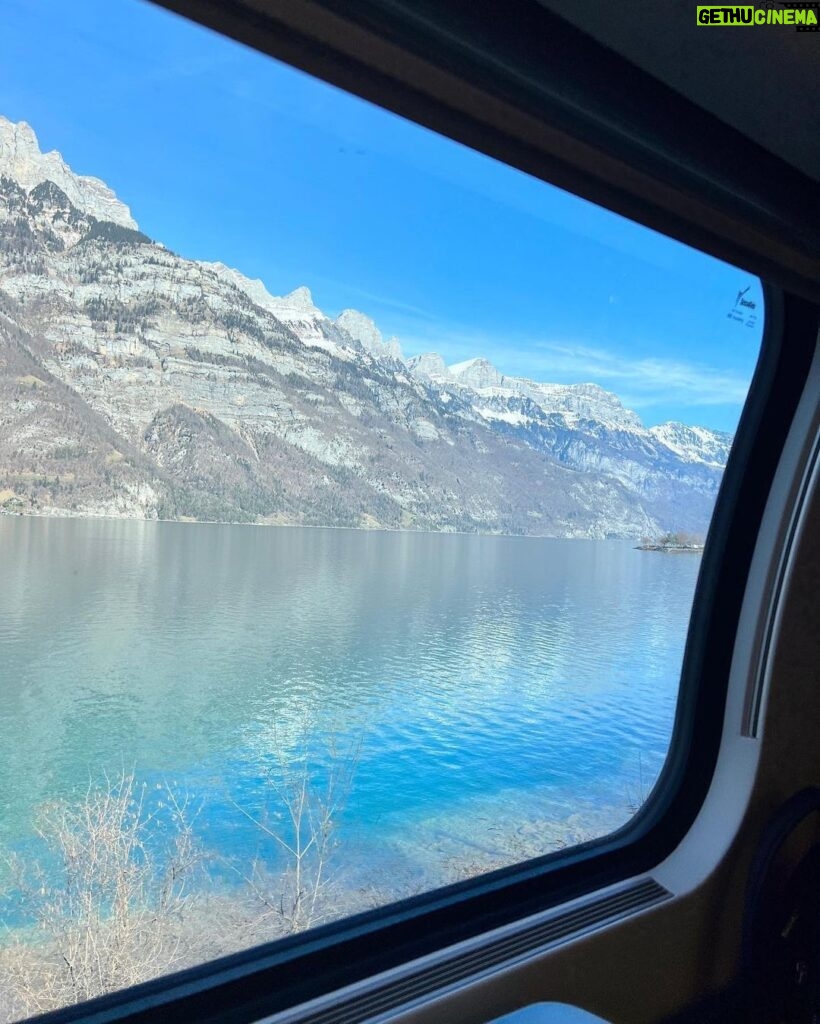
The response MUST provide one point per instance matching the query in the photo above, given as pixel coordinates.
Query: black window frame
(756, 198)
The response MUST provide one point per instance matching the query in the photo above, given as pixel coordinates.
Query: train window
(354, 491)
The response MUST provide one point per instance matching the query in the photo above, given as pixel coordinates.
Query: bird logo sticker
(744, 310)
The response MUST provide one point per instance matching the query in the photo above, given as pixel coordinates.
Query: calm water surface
(488, 678)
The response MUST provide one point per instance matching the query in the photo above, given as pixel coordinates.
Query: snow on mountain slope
(675, 470)
(495, 389)
(694, 444)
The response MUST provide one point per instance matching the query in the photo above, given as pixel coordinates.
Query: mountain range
(136, 382)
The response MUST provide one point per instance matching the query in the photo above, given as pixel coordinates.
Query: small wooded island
(673, 542)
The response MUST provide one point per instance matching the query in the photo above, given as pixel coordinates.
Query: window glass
(353, 492)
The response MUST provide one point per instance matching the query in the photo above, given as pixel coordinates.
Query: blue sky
(223, 154)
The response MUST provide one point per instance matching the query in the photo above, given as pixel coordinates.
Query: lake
(495, 697)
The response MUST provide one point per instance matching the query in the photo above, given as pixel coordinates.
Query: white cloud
(646, 381)
(374, 305)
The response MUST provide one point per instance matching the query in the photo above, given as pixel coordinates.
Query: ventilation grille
(424, 981)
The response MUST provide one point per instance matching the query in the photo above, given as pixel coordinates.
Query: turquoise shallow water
(487, 679)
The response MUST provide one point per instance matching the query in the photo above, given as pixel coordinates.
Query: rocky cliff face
(136, 382)
(22, 160)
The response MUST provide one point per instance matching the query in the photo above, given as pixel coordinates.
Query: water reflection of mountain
(471, 663)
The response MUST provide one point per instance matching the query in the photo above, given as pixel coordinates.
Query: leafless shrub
(108, 908)
(638, 791)
(115, 899)
(301, 820)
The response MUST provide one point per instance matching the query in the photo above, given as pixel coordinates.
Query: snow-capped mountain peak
(581, 401)
(252, 287)
(476, 373)
(22, 160)
(428, 364)
(499, 397)
(300, 298)
(364, 330)
(694, 444)
(297, 304)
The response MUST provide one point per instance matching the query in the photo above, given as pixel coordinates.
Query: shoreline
(107, 517)
(673, 549)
